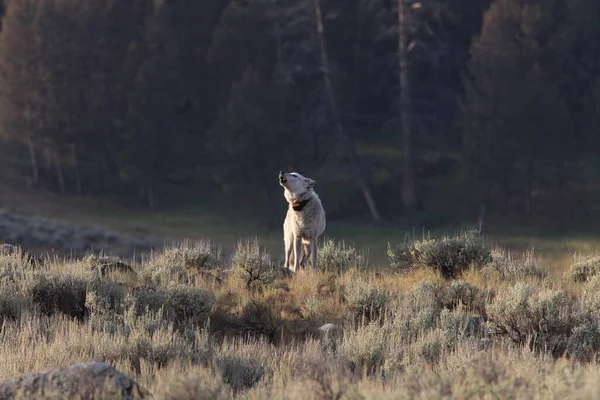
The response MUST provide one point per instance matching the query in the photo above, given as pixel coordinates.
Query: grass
(227, 225)
(181, 333)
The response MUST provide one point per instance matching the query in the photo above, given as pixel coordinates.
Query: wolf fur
(304, 222)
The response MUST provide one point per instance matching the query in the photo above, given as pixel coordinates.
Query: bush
(337, 257)
(583, 270)
(180, 304)
(461, 293)
(181, 261)
(192, 384)
(449, 256)
(367, 300)
(507, 267)
(12, 305)
(105, 297)
(259, 317)
(253, 266)
(66, 295)
(240, 372)
(425, 294)
(584, 342)
(457, 325)
(184, 303)
(544, 318)
(365, 348)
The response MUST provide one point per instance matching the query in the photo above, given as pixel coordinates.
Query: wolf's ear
(311, 182)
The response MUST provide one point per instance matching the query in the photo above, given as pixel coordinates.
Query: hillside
(454, 319)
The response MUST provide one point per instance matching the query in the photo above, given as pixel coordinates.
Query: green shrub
(337, 258)
(449, 256)
(425, 294)
(583, 270)
(62, 294)
(458, 325)
(180, 262)
(461, 293)
(253, 266)
(543, 318)
(259, 317)
(192, 384)
(12, 305)
(365, 348)
(366, 299)
(508, 267)
(105, 297)
(185, 303)
(240, 372)
(180, 303)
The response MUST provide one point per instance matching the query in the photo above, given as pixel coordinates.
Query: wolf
(304, 222)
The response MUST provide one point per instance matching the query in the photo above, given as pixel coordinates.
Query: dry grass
(513, 328)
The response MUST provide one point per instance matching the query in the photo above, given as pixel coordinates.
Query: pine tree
(515, 123)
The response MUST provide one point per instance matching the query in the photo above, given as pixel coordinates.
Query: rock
(113, 267)
(33, 259)
(327, 328)
(92, 380)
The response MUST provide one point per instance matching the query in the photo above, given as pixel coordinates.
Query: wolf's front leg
(297, 253)
(313, 250)
(289, 254)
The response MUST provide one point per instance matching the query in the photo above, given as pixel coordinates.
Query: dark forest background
(442, 109)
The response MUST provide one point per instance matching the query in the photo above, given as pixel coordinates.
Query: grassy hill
(449, 319)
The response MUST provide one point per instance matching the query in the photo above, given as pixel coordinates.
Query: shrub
(457, 325)
(509, 267)
(337, 257)
(12, 305)
(145, 299)
(365, 348)
(180, 304)
(583, 270)
(179, 262)
(365, 299)
(240, 372)
(584, 341)
(184, 303)
(253, 266)
(431, 348)
(425, 294)
(545, 317)
(449, 256)
(105, 297)
(260, 318)
(194, 383)
(411, 324)
(60, 294)
(461, 293)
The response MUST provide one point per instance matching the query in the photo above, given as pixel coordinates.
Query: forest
(499, 99)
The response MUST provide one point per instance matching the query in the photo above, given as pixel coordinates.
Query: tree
(250, 142)
(515, 123)
(155, 147)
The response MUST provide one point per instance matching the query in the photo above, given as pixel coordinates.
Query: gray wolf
(304, 222)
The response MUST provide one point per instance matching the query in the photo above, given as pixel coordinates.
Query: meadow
(449, 317)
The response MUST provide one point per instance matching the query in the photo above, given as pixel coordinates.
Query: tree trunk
(409, 191)
(59, 173)
(529, 190)
(152, 195)
(363, 178)
(35, 170)
(481, 220)
(76, 167)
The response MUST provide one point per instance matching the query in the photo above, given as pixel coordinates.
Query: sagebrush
(342, 332)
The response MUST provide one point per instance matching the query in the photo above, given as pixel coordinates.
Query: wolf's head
(296, 184)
